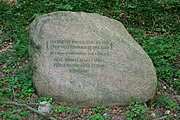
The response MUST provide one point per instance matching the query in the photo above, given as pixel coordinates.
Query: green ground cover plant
(136, 110)
(154, 24)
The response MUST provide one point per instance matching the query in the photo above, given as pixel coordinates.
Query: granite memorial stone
(88, 59)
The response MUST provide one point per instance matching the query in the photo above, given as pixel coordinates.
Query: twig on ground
(161, 118)
(168, 86)
(70, 116)
(30, 108)
(34, 104)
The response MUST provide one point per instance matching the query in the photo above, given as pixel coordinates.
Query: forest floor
(153, 24)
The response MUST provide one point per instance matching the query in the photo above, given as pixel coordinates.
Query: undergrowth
(154, 24)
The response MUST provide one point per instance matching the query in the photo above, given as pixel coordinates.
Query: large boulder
(88, 59)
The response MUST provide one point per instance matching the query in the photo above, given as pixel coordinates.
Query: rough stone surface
(44, 107)
(88, 59)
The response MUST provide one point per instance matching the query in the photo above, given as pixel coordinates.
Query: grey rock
(88, 59)
(44, 107)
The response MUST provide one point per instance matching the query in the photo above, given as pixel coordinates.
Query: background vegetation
(154, 24)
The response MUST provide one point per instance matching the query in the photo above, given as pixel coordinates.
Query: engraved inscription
(78, 56)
